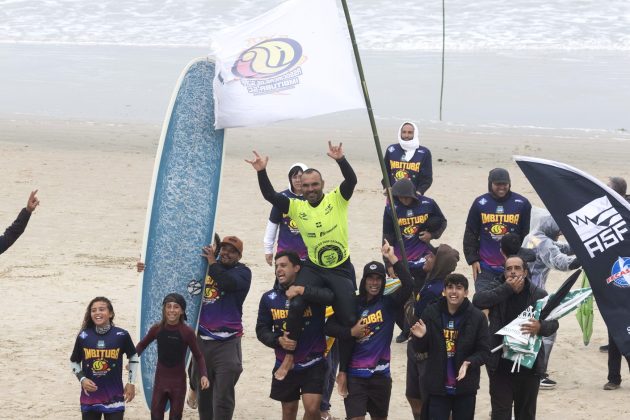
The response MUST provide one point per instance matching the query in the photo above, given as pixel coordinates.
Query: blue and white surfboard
(182, 205)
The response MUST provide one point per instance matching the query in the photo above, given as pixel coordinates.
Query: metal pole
(443, 47)
(377, 143)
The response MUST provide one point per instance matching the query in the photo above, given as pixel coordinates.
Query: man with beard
(506, 298)
(409, 160)
(491, 216)
(221, 327)
(322, 220)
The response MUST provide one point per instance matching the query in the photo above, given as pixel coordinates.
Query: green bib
(324, 228)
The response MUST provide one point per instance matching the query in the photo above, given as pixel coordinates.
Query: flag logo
(620, 273)
(270, 66)
(268, 58)
(598, 225)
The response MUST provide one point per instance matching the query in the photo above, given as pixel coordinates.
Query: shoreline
(582, 89)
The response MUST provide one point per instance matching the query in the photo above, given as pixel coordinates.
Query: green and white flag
(522, 348)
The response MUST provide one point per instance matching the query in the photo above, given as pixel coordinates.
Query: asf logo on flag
(599, 225)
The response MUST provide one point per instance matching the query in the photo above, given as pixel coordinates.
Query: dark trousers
(507, 388)
(224, 361)
(462, 407)
(614, 362)
(96, 415)
(332, 364)
(419, 276)
(340, 281)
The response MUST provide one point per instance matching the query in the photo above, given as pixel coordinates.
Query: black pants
(418, 276)
(614, 362)
(95, 415)
(507, 388)
(461, 406)
(340, 280)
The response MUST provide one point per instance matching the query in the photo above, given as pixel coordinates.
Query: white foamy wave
(379, 24)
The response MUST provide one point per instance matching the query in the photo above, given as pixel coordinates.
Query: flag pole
(377, 143)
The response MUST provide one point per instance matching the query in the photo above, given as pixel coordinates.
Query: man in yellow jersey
(322, 220)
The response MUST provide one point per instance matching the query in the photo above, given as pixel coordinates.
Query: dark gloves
(574, 264)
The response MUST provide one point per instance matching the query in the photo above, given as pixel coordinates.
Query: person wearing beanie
(491, 216)
(420, 220)
(408, 160)
(369, 378)
(173, 337)
(280, 226)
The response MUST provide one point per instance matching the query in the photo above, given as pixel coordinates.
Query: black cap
(177, 298)
(499, 175)
(374, 267)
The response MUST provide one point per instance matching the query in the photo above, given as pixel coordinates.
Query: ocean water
(509, 63)
(379, 24)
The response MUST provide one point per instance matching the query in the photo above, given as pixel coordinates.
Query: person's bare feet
(285, 367)
(342, 384)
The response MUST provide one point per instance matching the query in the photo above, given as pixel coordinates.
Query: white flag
(295, 61)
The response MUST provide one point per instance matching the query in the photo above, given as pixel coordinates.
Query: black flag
(595, 221)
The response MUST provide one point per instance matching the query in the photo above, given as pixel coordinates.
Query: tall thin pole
(377, 143)
(443, 48)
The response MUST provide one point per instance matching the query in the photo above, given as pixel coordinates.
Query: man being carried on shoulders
(322, 220)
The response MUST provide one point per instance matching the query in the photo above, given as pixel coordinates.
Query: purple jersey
(490, 219)
(412, 220)
(222, 305)
(101, 359)
(372, 353)
(289, 238)
(418, 169)
(273, 311)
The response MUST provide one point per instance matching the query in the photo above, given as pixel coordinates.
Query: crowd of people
(327, 329)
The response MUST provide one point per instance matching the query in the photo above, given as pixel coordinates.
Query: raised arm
(260, 165)
(401, 295)
(349, 177)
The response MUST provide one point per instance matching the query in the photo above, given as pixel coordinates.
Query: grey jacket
(549, 253)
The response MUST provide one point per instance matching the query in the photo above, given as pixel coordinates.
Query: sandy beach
(84, 239)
